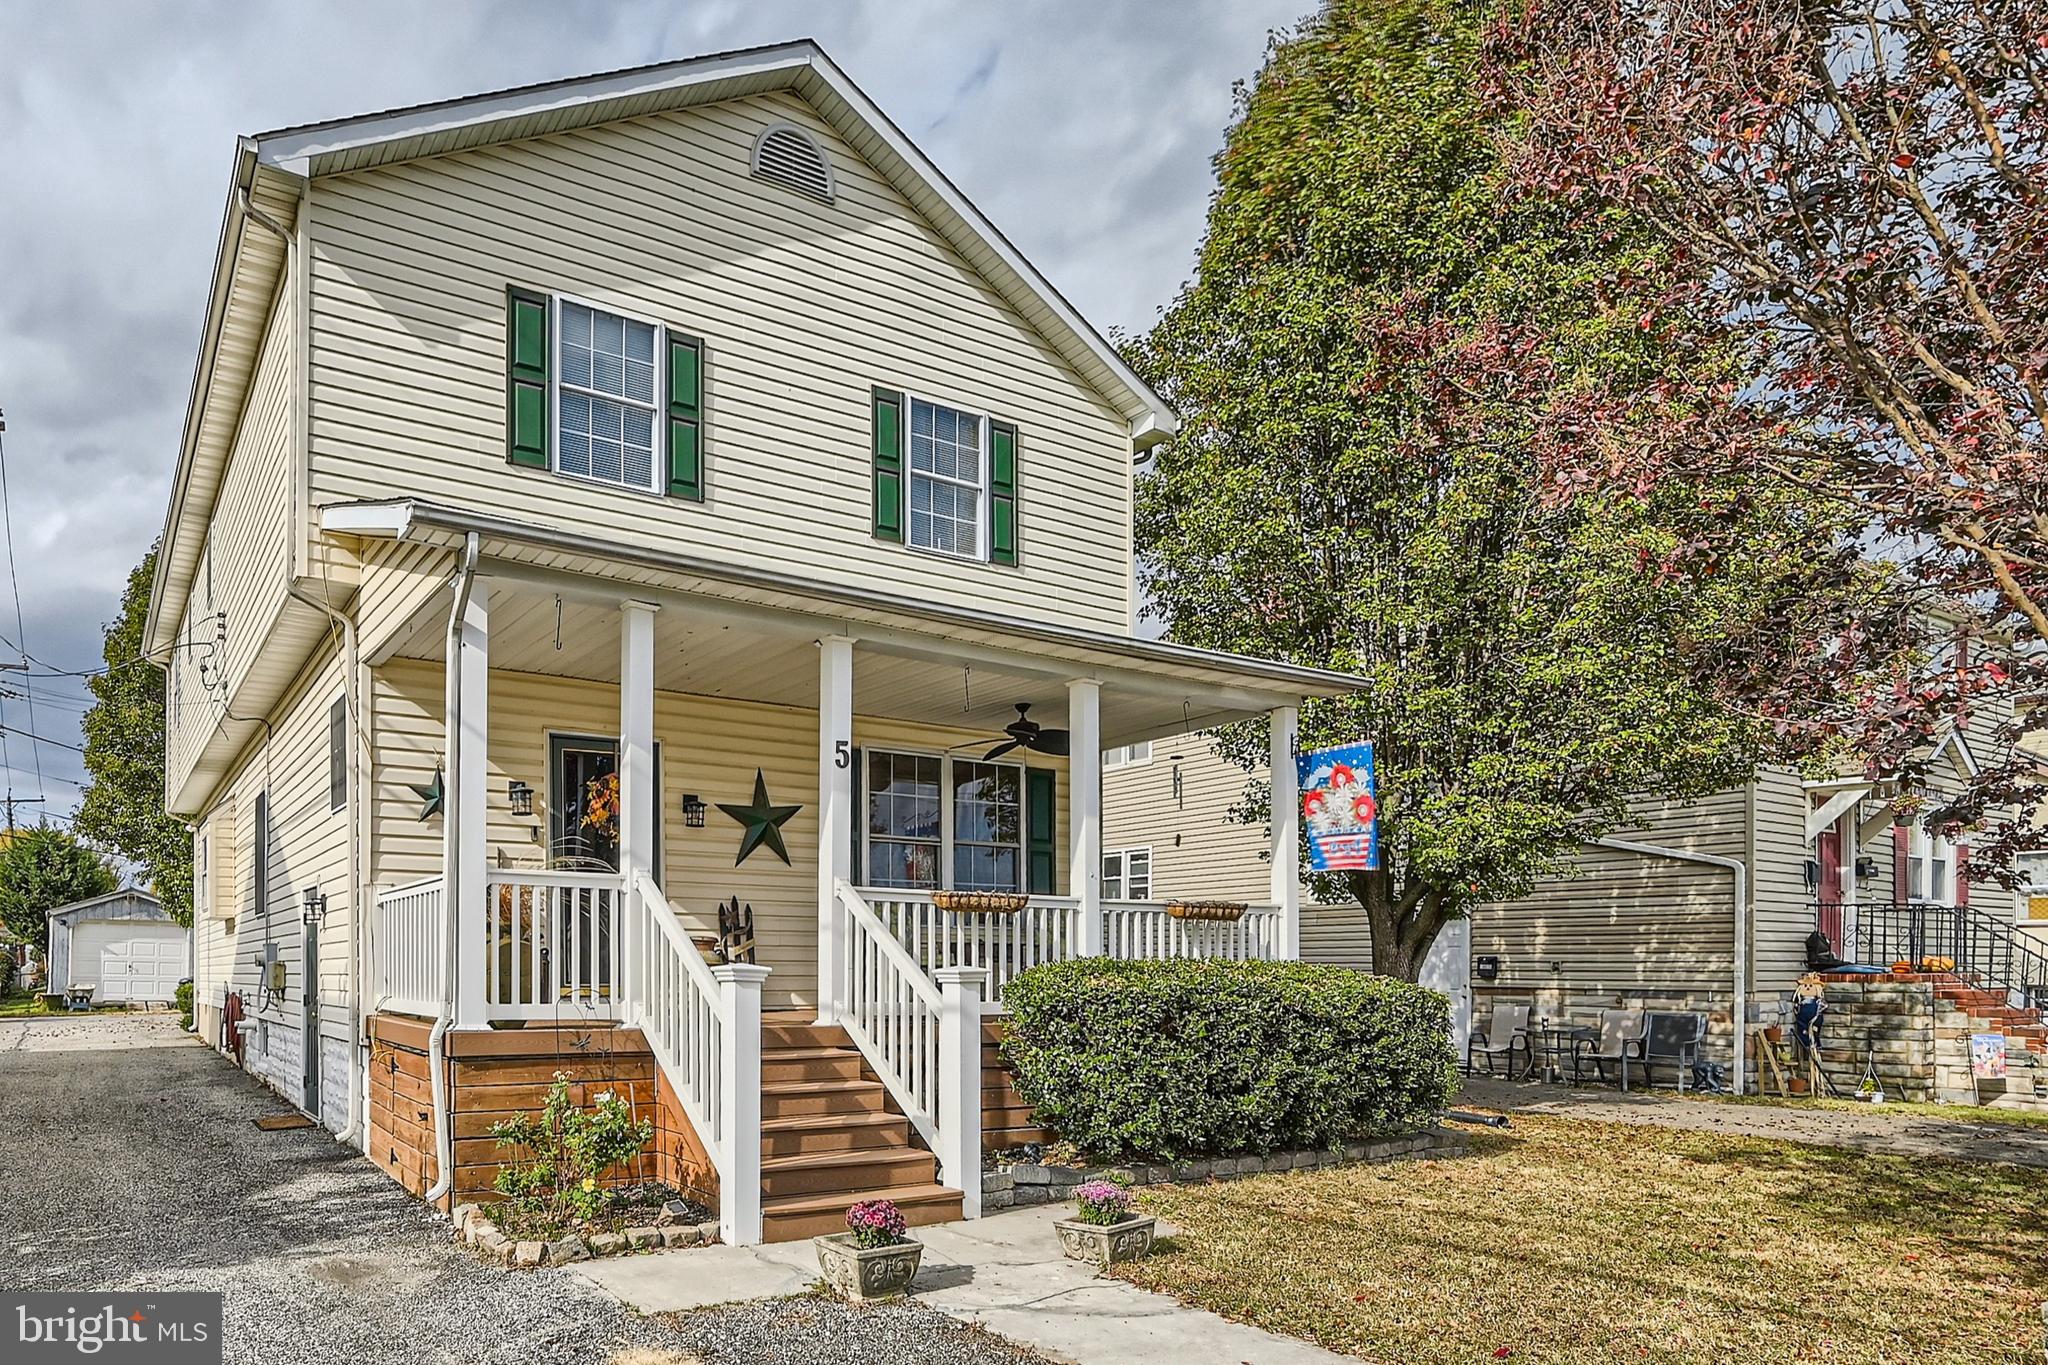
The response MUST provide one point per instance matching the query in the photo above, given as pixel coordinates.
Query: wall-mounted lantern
(522, 797)
(693, 811)
(316, 906)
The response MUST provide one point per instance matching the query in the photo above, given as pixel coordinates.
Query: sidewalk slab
(1004, 1272)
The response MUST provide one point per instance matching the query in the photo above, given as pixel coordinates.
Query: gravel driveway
(128, 1160)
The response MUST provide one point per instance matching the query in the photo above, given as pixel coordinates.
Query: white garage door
(128, 961)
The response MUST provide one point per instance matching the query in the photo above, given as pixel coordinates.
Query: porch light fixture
(316, 905)
(693, 811)
(522, 797)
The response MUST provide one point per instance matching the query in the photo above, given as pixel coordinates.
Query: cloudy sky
(1084, 128)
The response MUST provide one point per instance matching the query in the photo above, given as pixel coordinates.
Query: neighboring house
(609, 500)
(1630, 925)
(123, 946)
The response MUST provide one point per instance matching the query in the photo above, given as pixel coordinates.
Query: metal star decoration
(763, 822)
(434, 793)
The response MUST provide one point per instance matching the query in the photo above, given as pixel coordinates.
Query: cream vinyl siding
(397, 579)
(246, 561)
(709, 746)
(802, 306)
(309, 846)
(1198, 851)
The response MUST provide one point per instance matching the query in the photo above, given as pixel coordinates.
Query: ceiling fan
(1029, 734)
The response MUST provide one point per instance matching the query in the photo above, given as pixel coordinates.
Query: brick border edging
(474, 1228)
(1026, 1184)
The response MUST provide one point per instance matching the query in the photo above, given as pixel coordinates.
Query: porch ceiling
(703, 649)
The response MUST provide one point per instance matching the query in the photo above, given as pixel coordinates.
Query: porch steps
(831, 1137)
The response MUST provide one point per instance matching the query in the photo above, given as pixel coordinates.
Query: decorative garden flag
(1342, 813)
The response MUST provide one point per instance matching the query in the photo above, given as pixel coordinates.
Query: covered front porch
(573, 775)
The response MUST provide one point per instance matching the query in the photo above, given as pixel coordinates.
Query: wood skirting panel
(497, 1074)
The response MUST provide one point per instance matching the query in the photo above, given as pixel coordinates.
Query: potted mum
(875, 1257)
(1105, 1227)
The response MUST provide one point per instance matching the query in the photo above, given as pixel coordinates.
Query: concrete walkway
(1004, 1272)
(1875, 1129)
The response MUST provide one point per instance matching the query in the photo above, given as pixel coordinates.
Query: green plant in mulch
(183, 999)
(556, 1159)
(1209, 1058)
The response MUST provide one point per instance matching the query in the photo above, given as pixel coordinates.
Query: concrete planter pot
(866, 1273)
(1107, 1244)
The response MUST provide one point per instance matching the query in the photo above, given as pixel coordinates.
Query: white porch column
(1084, 818)
(637, 796)
(739, 1083)
(960, 992)
(835, 813)
(1286, 830)
(465, 812)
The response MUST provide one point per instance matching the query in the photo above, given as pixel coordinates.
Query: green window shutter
(526, 379)
(888, 465)
(685, 417)
(1002, 488)
(1041, 823)
(857, 871)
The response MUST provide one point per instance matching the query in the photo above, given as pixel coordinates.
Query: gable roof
(269, 167)
(132, 893)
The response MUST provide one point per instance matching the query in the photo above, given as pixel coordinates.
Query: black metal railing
(1983, 945)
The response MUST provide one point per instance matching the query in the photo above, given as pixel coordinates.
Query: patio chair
(1672, 1039)
(1620, 1042)
(1505, 1032)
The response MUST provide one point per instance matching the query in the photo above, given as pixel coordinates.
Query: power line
(20, 629)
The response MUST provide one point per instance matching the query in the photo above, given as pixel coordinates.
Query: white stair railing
(892, 1012)
(703, 1024)
(405, 939)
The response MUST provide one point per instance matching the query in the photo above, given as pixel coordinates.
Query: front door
(1828, 894)
(584, 811)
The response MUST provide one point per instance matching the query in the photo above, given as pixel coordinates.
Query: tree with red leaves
(1860, 189)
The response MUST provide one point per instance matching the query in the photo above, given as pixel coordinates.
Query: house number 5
(842, 753)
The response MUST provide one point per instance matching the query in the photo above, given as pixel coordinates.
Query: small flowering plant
(1102, 1202)
(876, 1223)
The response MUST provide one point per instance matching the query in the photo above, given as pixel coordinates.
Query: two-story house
(609, 500)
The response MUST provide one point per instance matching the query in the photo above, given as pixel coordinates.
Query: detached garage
(125, 946)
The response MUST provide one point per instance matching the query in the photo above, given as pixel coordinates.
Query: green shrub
(1179, 1059)
(556, 1159)
(183, 999)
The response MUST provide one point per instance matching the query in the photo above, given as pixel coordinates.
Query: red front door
(1829, 893)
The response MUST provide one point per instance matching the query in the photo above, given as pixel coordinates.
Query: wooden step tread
(827, 1203)
(777, 1053)
(805, 1123)
(834, 1085)
(865, 1156)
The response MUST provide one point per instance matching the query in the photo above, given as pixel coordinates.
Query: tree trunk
(1404, 922)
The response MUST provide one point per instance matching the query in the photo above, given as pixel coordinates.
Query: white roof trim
(132, 893)
(299, 149)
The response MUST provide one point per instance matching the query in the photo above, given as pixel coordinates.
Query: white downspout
(1740, 1014)
(451, 873)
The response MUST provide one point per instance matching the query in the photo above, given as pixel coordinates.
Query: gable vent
(788, 156)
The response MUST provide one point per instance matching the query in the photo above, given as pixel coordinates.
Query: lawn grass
(1958, 1113)
(15, 1006)
(1563, 1240)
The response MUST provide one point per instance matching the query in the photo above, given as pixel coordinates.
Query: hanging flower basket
(980, 902)
(1210, 910)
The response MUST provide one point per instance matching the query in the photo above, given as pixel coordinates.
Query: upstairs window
(1127, 874)
(946, 472)
(1126, 755)
(605, 397)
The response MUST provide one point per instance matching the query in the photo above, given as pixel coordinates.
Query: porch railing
(552, 944)
(406, 938)
(1145, 931)
(1983, 945)
(1048, 929)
